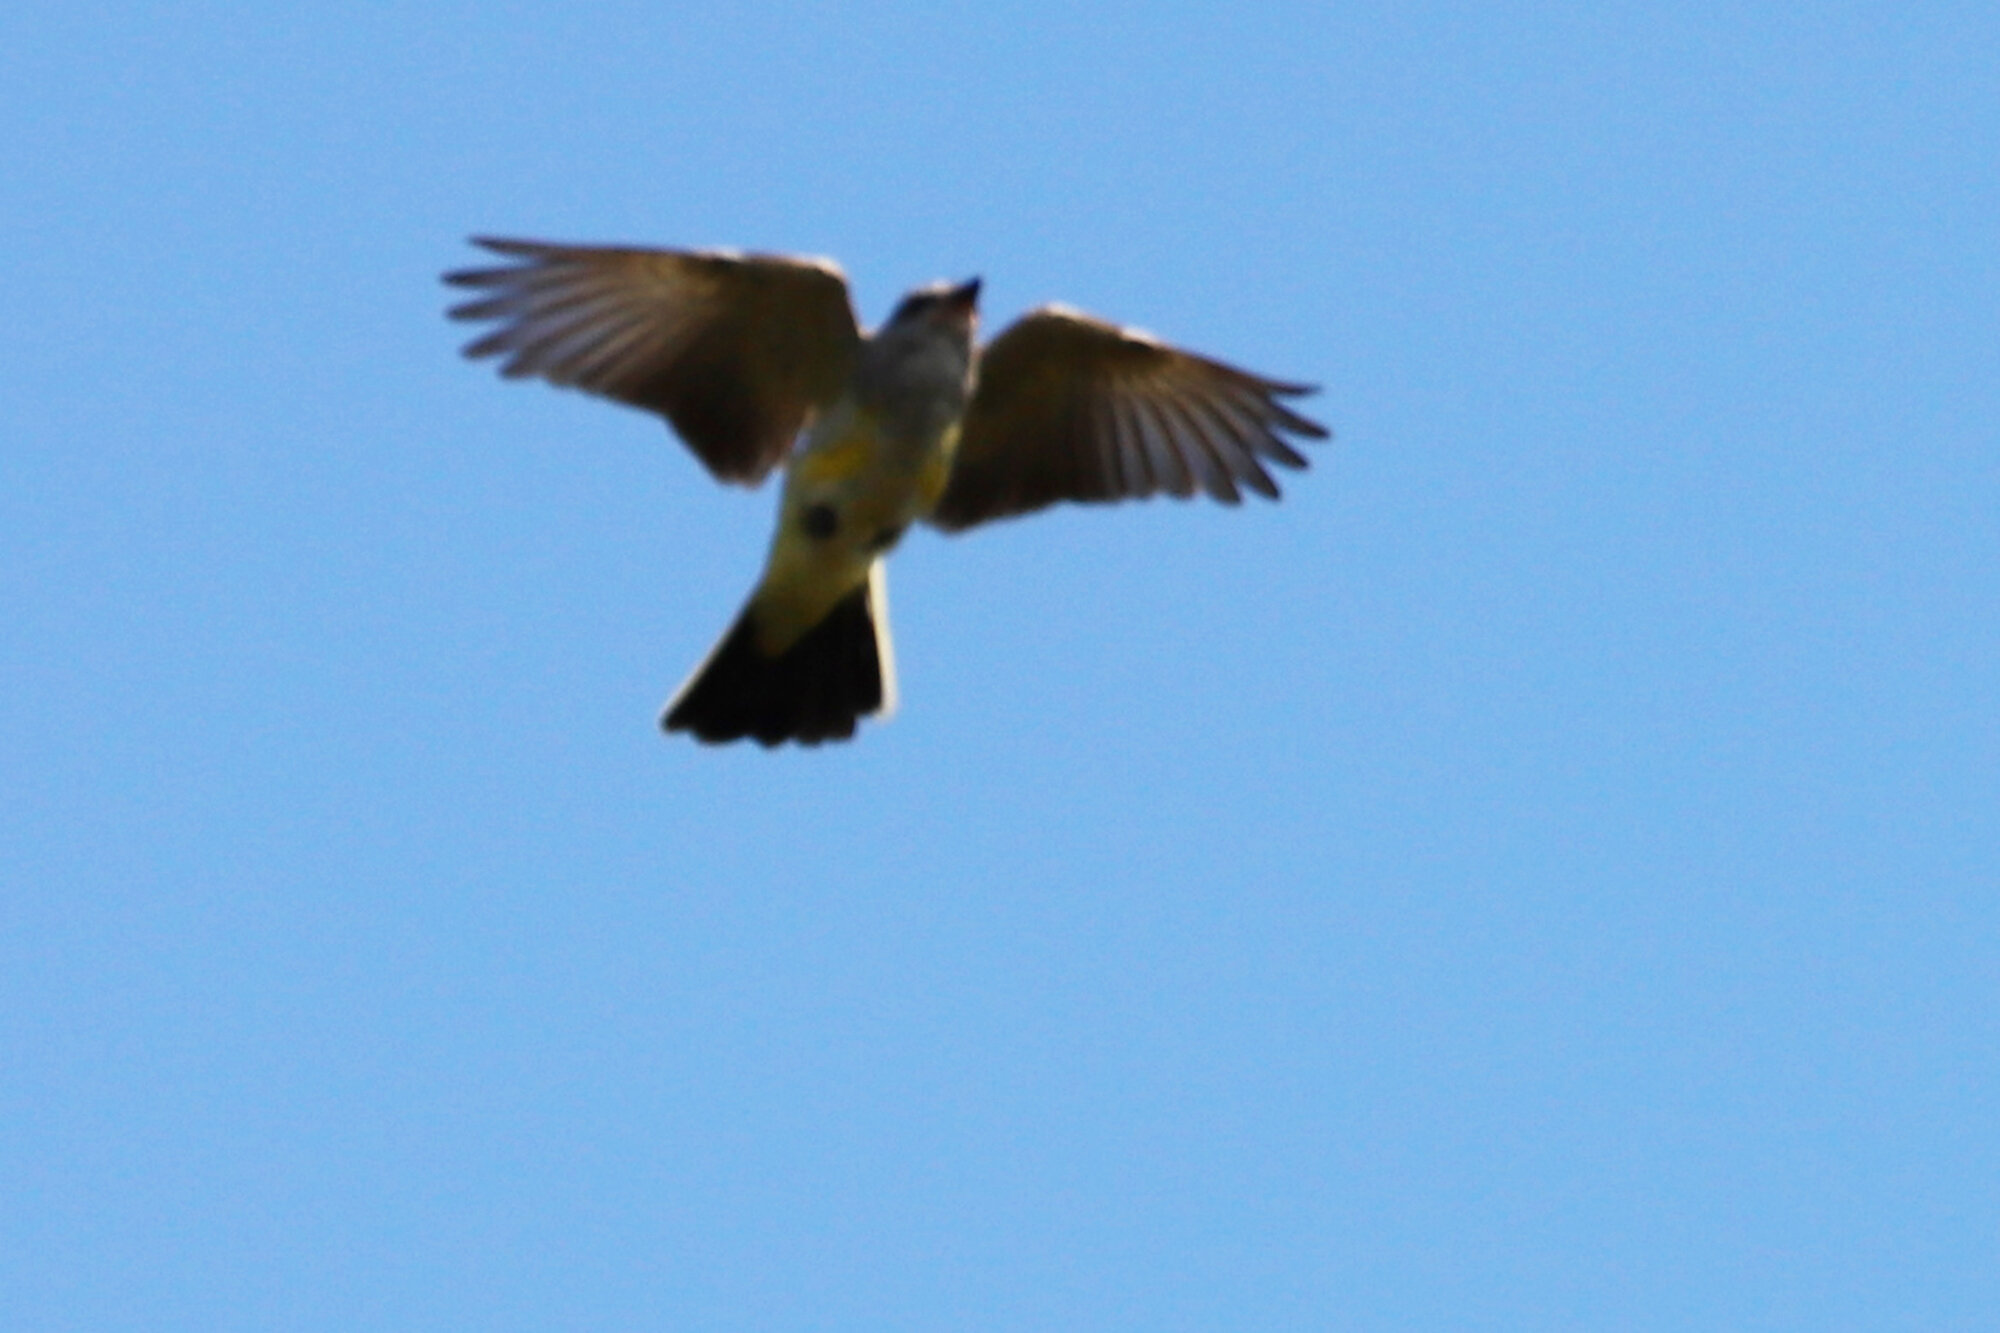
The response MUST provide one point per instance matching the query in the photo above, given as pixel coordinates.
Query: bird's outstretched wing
(1071, 408)
(737, 351)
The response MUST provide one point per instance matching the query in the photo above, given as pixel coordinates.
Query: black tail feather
(814, 691)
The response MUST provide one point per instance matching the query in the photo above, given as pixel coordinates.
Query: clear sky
(1540, 875)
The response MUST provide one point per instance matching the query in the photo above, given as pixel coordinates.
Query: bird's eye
(914, 304)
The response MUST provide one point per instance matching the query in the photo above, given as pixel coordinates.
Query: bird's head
(926, 345)
(941, 305)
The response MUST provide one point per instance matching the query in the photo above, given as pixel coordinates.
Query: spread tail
(838, 672)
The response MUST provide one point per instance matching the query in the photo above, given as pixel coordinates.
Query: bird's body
(874, 463)
(757, 361)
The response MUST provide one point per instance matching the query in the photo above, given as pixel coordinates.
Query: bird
(758, 362)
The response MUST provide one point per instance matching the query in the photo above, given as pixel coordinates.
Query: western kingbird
(743, 352)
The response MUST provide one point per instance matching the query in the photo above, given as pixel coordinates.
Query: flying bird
(757, 361)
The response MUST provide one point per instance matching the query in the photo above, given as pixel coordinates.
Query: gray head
(925, 348)
(940, 305)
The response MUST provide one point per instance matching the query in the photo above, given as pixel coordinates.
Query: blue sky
(1540, 875)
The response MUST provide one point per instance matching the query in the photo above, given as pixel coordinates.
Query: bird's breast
(852, 452)
(849, 450)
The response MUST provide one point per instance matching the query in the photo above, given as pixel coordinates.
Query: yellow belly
(875, 488)
(842, 459)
